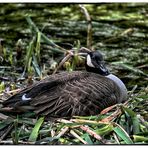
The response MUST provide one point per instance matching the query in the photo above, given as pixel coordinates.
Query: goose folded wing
(76, 93)
(84, 95)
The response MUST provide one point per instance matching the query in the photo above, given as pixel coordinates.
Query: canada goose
(74, 93)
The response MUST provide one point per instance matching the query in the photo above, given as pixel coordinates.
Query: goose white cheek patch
(89, 63)
(24, 98)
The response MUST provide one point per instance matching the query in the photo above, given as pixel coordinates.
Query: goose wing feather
(68, 94)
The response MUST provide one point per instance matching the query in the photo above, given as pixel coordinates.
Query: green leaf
(38, 46)
(98, 117)
(56, 49)
(105, 129)
(140, 138)
(122, 134)
(36, 66)
(135, 120)
(35, 131)
(2, 86)
(28, 58)
(87, 138)
(15, 134)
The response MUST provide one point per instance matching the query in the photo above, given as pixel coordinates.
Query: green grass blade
(28, 58)
(135, 120)
(2, 86)
(31, 23)
(15, 133)
(56, 48)
(87, 138)
(138, 138)
(104, 129)
(129, 67)
(38, 46)
(122, 134)
(5, 123)
(35, 131)
(36, 66)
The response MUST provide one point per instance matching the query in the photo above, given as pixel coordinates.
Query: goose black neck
(96, 70)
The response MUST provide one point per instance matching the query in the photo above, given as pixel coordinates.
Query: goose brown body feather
(67, 94)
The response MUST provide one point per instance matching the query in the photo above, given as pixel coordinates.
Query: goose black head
(96, 64)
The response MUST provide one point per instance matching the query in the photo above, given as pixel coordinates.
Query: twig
(77, 136)
(68, 56)
(63, 61)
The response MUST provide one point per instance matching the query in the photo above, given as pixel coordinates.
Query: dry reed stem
(68, 56)
(77, 136)
(6, 133)
(93, 134)
(14, 91)
(52, 133)
(89, 27)
(104, 111)
(19, 142)
(116, 138)
(3, 117)
(84, 121)
(63, 131)
(86, 129)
